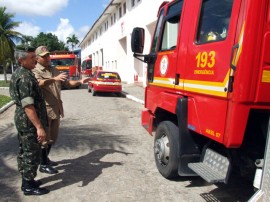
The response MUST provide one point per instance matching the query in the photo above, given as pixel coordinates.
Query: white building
(108, 41)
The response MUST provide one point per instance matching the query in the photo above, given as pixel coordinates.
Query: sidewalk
(134, 92)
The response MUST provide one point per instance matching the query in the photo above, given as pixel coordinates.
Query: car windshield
(108, 75)
(63, 62)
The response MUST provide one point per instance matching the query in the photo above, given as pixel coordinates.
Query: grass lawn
(4, 84)
(4, 100)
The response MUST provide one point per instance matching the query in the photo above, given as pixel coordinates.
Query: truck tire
(166, 147)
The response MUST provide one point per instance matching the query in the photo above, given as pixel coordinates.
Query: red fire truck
(66, 61)
(87, 67)
(208, 88)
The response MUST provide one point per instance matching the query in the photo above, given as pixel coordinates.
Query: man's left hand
(84, 80)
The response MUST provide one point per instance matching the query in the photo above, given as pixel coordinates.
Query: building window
(106, 25)
(124, 8)
(132, 3)
(114, 17)
(120, 12)
(100, 31)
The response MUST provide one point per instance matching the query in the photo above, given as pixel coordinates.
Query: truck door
(162, 70)
(208, 62)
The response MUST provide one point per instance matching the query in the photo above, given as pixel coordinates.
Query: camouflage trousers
(29, 155)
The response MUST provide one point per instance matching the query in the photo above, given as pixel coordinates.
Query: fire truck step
(214, 168)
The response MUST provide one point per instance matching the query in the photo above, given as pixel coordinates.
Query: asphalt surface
(112, 161)
(133, 92)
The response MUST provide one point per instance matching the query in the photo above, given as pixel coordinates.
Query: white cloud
(28, 29)
(82, 32)
(64, 29)
(34, 7)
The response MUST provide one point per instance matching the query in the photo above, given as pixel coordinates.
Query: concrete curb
(134, 99)
(6, 106)
(131, 97)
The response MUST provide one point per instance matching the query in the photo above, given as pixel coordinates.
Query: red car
(105, 81)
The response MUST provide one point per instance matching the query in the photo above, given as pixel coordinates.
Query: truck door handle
(177, 76)
(232, 56)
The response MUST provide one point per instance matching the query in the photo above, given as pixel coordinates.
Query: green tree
(26, 40)
(7, 37)
(50, 40)
(73, 40)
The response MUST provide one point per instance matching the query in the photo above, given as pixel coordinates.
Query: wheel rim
(162, 150)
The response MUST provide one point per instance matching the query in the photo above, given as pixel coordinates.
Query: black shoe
(36, 184)
(47, 169)
(35, 191)
(52, 163)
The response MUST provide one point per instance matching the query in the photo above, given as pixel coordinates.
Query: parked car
(105, 81)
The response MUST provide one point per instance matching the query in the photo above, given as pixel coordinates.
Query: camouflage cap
(42, 50)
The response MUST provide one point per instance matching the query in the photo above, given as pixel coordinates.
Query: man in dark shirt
(30, 120)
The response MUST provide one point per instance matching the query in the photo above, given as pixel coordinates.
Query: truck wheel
(166, 149)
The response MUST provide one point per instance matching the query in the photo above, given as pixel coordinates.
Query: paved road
(104, 155)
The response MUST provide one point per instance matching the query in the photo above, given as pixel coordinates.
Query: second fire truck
(66, 61)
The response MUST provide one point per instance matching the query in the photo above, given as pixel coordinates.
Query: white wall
(113, 45)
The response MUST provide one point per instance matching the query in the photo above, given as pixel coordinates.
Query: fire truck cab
(208, 81)
(87, 67)
(66, 61)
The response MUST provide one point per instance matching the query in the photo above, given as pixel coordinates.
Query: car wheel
(89, 89)
(166, 149)
(94, 93)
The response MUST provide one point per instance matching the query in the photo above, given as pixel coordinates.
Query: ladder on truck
(263, 193)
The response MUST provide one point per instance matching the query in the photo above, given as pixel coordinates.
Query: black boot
(36, 184)
(51, 163)
(31, 189)
(44, 166)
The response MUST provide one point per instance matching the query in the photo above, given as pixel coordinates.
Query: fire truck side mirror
(137, 40)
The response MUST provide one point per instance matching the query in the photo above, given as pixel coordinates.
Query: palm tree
(73, 40)
(26, 40)
(7, 35)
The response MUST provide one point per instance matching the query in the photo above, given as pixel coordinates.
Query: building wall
(109, 44)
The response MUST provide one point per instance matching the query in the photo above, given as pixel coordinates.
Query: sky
(60, 17)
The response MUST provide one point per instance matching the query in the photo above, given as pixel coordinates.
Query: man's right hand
(61, 77)
(41, 135)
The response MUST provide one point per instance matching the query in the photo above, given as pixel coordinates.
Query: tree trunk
(5, 74)
(5, 67)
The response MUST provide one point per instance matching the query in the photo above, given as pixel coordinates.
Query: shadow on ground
(78, 139)
(83, 169)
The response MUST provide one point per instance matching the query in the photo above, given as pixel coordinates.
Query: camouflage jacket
(24, 90)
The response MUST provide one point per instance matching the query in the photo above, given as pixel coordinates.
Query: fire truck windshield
(63, 62)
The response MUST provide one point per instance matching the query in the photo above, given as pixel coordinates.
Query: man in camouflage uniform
(30, 120)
